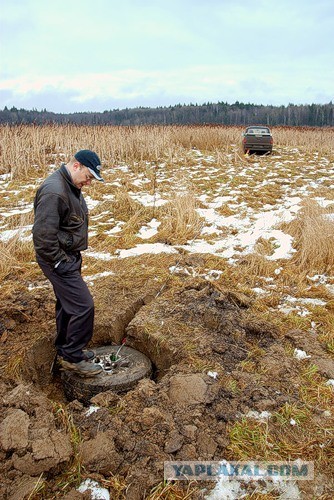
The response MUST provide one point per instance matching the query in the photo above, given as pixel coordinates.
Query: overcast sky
(92, 55)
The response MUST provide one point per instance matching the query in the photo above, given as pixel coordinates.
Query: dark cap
(90, 160)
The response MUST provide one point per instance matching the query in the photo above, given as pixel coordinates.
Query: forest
(221, 113)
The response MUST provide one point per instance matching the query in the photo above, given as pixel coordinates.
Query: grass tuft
(172, 491)
(313, 232)
(73, 475)
(180, 221)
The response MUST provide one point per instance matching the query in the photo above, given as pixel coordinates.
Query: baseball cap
(90, 160)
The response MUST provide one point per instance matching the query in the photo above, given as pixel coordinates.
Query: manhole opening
(118, 361)
(122, 368)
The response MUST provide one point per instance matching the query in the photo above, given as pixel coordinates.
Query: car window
(258, 131)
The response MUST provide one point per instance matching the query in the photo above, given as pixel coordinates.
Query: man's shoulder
(54, 184)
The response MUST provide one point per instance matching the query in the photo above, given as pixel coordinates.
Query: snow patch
(262, 416)
(91, 410)
(97, 492)
(151, 248)
(99, 255)
(299, 354)
(149, 230)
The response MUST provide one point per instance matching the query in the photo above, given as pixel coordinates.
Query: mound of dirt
(198, 321)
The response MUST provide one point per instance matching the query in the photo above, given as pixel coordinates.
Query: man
(60, 232)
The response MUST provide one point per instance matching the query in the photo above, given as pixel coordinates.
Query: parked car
(257, 139)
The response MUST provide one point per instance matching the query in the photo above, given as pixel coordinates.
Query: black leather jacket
(61, 218)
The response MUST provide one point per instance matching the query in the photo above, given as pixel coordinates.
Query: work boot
(88, 355)
(83, 368)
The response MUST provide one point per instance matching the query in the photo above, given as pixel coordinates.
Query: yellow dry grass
(173, 491)
(27, 150)
(124, 207)
(313, 232)
(14, 253)
(16, 249)
(309, 139)
(180, 221)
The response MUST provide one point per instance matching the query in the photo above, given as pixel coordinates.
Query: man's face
(81, 176)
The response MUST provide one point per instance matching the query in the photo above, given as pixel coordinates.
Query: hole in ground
(39, 368)
(197, 324)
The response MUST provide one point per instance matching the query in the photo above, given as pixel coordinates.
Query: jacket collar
(67, 176)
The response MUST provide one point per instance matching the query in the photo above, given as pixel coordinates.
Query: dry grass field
(184, 209)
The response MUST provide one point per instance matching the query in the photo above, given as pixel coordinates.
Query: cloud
(199, 84)
(130, 53)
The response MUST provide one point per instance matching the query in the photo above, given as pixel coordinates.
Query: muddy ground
(188, 329)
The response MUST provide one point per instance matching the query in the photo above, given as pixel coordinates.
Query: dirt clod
(14, 431)
(99, 454)
(174, 442)
(187, 390)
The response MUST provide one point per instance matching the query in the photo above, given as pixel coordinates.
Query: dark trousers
(74, 308)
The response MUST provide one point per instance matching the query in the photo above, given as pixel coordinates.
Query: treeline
(312, 115)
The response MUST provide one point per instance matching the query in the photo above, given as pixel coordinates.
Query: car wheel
(118, 375)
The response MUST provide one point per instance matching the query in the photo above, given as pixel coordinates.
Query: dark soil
(180, 414)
